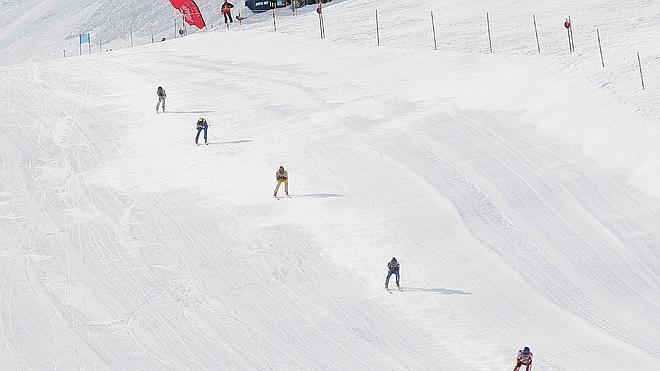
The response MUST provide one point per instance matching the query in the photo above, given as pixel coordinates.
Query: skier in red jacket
(226, 11)
(524, 358)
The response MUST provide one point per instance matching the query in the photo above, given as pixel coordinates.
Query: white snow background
(520, 191)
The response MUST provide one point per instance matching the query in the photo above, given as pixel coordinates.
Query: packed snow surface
(519, 191)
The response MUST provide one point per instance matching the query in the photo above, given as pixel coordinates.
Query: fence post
(490, 43)
(570, 31)
(602, 61)
(536, 32)
(641, 75)
(322, 20)
(377, 29)
(435, 42)
(319, 10)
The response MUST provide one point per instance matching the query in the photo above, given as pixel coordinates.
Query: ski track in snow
(125, 246)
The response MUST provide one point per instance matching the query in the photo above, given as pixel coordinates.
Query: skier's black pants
(389, 274)
(199, 130)
(228, 15)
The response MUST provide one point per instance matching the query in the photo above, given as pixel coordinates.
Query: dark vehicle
(259, 6)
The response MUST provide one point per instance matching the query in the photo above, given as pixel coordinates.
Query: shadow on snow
(439, 291)
(233, 142)
(319, 195)
(188, 111)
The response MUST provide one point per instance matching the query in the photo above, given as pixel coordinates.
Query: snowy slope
(491, 177)
(37, 29)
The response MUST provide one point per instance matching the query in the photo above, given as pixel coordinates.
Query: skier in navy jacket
(392, 269)
(202, 125)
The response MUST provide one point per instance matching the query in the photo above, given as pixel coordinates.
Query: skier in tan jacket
(282, 176)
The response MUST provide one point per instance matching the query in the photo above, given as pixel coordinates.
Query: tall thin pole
(435, 43)
(131, 34)
(152, 39)
(377, 30)
(322, 20)
(89, 44)
(641, 75)
(64, 52)
(570, 30)
(319, 10)
(100, 46)
(602, 61)
(79, 45)
(175, 28)
(274, 24)
(490, 43)
(536, 32)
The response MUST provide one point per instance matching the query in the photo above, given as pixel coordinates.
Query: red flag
(190, 12)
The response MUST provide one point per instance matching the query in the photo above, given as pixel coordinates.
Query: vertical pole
(152, 39)
(319, 10)
(274, 24)
(377, 30)
(536, 32)
(490, 43)
(64, 52)
(79, 45)
(100, 46)
(570, 30)
(322, 20)
(131, 35)
(641, 75)
(602, 61)
(89, 44)
(175, 28)
(435, 43)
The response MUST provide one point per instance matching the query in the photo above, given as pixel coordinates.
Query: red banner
(190, 12)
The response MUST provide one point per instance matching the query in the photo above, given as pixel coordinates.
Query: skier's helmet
(393, 258)
(526, 350)
(200, 119)
(281, 167)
